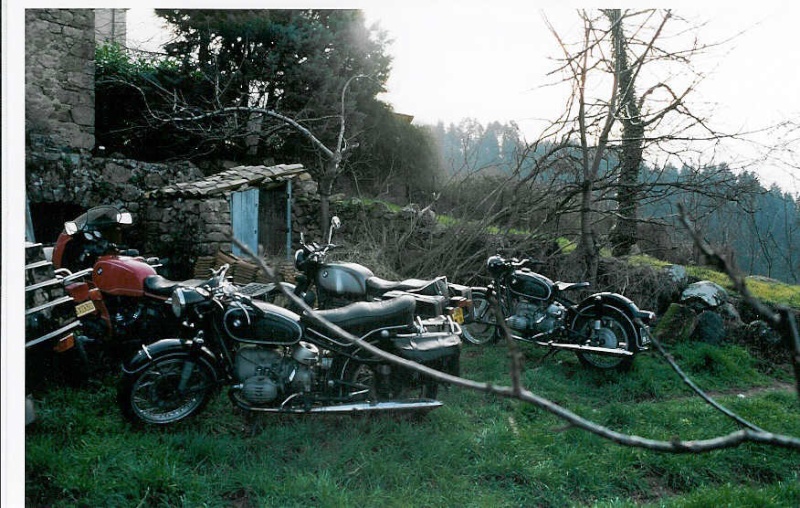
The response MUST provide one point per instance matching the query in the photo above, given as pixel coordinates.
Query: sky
(454, 59)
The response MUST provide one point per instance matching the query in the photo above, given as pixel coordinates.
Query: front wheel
(167, 390)
(609, 328)
(482, 329)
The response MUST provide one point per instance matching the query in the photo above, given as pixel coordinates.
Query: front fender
(476, 291)
(165, 348)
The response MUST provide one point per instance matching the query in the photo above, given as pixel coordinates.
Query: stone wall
(84, 181)
(59, 75)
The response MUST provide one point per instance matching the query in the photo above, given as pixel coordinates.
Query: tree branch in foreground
(731, 440)
(783, 321)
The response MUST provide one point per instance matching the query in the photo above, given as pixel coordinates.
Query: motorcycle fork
(186, 373)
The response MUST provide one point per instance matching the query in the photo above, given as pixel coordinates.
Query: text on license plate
(458, 315)
(84, 308)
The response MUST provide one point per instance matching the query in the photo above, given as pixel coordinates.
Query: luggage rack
(255, 289)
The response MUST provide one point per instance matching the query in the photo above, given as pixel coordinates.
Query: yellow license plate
(458, 315)
(84, 308)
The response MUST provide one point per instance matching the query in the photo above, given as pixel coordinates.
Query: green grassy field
(475, 451)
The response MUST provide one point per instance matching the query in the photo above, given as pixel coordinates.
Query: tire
(482, 329)
(616, 332)
(402, 384)
(150, 396)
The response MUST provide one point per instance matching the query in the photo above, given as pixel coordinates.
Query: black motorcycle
(275, 361)
(328, 285)
(605, 330)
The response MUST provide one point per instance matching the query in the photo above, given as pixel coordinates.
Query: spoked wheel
(365, 379)
(167, 390)
(615, 331)
(482, 329)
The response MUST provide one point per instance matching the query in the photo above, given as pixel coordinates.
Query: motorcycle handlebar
(521, 263)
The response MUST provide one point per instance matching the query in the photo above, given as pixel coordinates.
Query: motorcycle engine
(128, 315)
(272, 374)
(532, 318)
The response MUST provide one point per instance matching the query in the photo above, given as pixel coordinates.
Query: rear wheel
(608, 328)
(482, 329)
(166, 391)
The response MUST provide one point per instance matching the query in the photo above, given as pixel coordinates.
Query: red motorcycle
(119, 297)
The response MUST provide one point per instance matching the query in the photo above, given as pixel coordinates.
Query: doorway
(258, 220)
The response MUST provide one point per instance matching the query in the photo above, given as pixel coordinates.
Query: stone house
(264, 207)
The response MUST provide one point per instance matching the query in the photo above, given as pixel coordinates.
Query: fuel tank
(121, 275)
(531, 284)
(344, 279)
(263, 323)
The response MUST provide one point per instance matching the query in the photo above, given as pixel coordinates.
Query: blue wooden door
(244, 219)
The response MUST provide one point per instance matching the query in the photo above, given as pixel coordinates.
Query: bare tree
(608, 126)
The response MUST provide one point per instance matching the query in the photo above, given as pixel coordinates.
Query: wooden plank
(244, 219)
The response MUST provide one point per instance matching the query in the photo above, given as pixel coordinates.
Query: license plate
(84, 308)
(458, 315)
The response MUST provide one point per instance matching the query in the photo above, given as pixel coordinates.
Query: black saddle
(161, 286)
(363, 317)
(377, 286)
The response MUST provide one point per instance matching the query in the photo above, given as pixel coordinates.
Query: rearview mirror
(335, 224)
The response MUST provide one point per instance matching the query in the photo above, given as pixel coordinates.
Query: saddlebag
(426, 348)
(438, 351)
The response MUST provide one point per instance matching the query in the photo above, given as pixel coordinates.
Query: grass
(475, 451)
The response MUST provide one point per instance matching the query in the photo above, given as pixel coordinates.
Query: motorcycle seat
(567, 286)
(161, 286)
(362, 317)
(378, 286)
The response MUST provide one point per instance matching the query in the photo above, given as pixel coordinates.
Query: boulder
(676, 273)
(704, 295)
(728, 311)
(677, 324)
(763, 335)
(710, 328)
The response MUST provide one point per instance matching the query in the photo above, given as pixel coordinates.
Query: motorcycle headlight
(179, 302)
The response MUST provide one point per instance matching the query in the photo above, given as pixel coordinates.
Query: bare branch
(782, 321)
(685, 378)
(266, 112)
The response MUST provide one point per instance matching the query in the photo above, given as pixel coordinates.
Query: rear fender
(621, 302)
(167, 348)
(636, 317)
